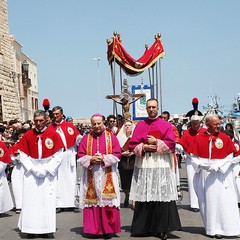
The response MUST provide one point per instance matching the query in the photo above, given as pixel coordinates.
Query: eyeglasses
(112, 121)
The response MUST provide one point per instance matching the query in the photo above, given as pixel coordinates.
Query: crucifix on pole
(125, 98)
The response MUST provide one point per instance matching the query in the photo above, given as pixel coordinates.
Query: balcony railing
(27, 83)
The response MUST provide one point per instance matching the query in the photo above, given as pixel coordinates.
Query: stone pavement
(69, 223)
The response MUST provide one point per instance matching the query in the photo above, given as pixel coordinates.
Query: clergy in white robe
(40, 154)
(67, 174)
(186, 141)
(212, 154)
(17, 176)
(6, 202)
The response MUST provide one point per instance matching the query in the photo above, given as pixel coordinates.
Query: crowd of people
(142, 159)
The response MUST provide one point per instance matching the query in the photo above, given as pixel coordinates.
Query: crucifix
(125, 98)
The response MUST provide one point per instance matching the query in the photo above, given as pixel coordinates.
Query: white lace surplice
(154, 178)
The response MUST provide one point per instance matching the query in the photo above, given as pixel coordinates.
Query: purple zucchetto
(97, 115)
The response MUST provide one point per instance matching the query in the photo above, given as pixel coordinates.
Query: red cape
(51, 143)
(70, 132)
(188, 137)
(222, 145)
(14, 148)
(4, 153)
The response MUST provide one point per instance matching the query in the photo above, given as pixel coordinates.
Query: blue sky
(201, 41)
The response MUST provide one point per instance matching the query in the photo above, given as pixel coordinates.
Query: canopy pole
(157, 80)
(113, 82)
(114, 88)
(149, 76)
(153, 83)
(121, 83)
(160, 85)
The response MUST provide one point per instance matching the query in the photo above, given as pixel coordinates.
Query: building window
(36, 103)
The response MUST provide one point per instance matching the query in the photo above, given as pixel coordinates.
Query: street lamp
(97, 59)
(25, 65)
(26, 81)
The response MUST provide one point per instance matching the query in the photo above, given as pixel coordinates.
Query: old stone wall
(8, 86)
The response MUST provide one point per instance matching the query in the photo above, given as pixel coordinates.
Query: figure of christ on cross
(125, 101)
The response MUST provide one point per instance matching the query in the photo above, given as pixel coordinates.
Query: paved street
(69, 224)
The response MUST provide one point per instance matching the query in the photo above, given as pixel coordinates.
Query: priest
(153, 187)
(212, 157)
(67, 173)
(99, 153)
(186, 141)
(41, 152)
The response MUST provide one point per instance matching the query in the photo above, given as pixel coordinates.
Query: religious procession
(117, 155)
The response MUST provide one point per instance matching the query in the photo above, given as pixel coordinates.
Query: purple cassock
(149, 126)
(103, 216)
(153, 186)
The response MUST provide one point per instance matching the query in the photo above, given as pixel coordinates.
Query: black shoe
(58, 210)
(126, 203)
(77, 210)
(195, 209)
(18, 211)
(163, 236)
(218, 236)
(30, 235)
(106, 236)
(46, 235)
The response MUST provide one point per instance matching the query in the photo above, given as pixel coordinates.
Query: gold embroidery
(108, 189)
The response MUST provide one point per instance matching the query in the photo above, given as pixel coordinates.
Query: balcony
(27, 83)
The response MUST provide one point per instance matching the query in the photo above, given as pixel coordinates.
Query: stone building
(25, 80)
(18, 86)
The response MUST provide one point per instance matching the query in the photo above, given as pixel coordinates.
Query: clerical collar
(153, 118)
(42, 130)
(97, 134)
(214, 134)
(58, 123)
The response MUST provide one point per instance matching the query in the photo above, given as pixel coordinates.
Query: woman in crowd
(126, 164)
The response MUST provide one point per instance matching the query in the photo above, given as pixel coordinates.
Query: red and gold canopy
(116, 52)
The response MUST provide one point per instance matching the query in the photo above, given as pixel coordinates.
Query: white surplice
(193, 199)
(67, 179)
(154, 178)
(6, 202)
(17, 181)
(67, 176)
(215, 187)
(38, 215)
